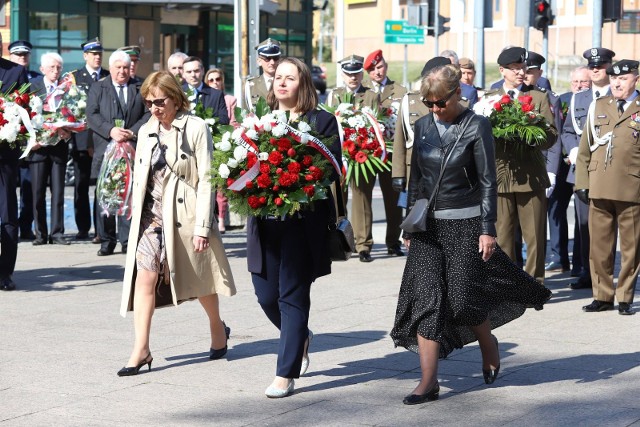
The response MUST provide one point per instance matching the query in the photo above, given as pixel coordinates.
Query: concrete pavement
(63, 342)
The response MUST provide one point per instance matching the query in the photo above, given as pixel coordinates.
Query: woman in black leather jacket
(457, 284)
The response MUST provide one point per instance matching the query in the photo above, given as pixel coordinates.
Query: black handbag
(340, 242)
(416, 219)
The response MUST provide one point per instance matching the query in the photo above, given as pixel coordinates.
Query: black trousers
(26, 201)
(81, 203)
(283, 289)
(8, 217)
(557, 205)
(41, 173)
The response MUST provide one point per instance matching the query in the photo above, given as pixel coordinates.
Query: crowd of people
(465, 274)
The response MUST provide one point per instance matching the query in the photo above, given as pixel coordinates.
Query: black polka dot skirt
(447, 287)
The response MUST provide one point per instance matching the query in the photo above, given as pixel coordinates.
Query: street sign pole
(436, 27)
(406, 65)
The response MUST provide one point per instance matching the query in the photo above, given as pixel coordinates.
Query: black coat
(58, 153)
(214, 99)
(316, 222)
(13, 76)
(103, 108)
(469, 178)
(81, 141)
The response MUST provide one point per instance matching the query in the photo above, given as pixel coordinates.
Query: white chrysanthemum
(9, 132)
(223, 171)
(356, 121)
(36, 104)
(237, 133)
(279, 130)
(37, 121)
(253, 134)
(210, 121)
(232, 163)
(73, 91)
(280, 115)
(381, 127)
(304, 138)
(345, 109)
(81, 105)
(240, 153)
(304, 127)
(250, 122)
(263, 157)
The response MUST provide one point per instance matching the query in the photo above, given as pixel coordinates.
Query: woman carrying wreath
(457, 285)
(285, 255)
(178, 254)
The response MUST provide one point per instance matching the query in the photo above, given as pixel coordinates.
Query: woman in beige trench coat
(178, 254)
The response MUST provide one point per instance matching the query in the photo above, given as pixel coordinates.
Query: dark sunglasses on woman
(157, 102)
(441, 103)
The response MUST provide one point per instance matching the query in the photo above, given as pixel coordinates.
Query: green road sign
(402, 33)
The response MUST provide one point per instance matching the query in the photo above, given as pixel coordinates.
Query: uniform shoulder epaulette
(464, 98)
(249, 78)
(540, 89)
(491, 92)
(103, 78)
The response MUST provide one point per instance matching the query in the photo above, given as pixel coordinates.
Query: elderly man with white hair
(116, 97)
(175, 62)
(48, 163)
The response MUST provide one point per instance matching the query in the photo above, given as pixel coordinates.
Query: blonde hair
(214, 70)
(440, 82)
(167, 83)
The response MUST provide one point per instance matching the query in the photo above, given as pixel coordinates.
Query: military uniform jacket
(391, 92)
(254, 88)
(82, 141)
(520, 173)
(619, 178)
(411, 109)
(364, 97)
(574, 125)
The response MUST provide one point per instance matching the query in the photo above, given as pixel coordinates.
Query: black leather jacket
(469, 178)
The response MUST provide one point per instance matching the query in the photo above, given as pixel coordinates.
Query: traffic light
(441, 21)
(542, 15)
(431, 22)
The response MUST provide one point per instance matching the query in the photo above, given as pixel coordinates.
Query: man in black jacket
(114, 97)
(11, 75)
(81, 142)
(198, 92)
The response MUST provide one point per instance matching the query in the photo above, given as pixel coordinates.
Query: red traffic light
(542, 6)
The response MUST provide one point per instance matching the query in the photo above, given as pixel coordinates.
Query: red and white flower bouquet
(270, 166)
(20, 117)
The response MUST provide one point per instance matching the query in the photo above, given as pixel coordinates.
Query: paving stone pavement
(63, 342)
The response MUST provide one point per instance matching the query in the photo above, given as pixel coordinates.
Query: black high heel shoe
(416, 399)
(134, 370)
(218, 354)
(490, 375)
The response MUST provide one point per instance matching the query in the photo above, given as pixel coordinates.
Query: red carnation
(249, 184)
(230, 182)
(65, 111)
(253, 201)
(307, 160)
(309, 190)
(497, 106)
(263, 181)
(284, 144)
(287, 179)
(275, 158)
(278, 201)
(276, 188)
(506, 99)
(291, 152)
(71, 118)
(316, 172)
(264, 168)
(262, 200)
(377, 152)
(294, 167)
(23, 129)
(527, 107)
(361, 157)
(242, 172)
(251, 159)
(308, 177)
(279, 171)
(273, 141)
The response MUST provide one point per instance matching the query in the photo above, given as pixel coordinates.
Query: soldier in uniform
(134, 53)
(599, 59)
(522, 182)
(20, 53)
(82, 142)
(268, 55)
(352, 74)
(388, 93)
(468, 91)
(607, 176)
(468, 69)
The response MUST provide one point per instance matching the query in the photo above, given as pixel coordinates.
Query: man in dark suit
(114, 97)
(521, 181)
(599, 59)
(20, 53)
(82, 143)
(198, 92)
(11, 75)
(49, 162)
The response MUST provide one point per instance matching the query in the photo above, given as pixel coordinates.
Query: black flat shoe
(219, 354)
(395, 250)
(57, 240)
(134, 370)
(365, 256)
(624, 308)
(597, 306)
(416, 399)
(6, 284)
(581, 284)
(490, 375)
(105, 252)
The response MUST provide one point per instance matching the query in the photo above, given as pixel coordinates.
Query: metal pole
(436, 25)
(527, 28)
(321, 41)
(254, 35)
(597, 24)
(338, 32)
(479, 11)
(545, 49)
(238, 51)
(405, 82)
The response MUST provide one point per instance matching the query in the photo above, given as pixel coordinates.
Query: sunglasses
(157, 102)
(269, 58)
(441, 103)
(215, 79)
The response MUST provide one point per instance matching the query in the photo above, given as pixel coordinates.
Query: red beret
(373, 59)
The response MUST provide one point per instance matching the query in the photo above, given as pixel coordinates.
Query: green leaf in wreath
(262, 107)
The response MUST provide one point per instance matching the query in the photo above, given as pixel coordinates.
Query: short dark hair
(307, 95)
(194, 58)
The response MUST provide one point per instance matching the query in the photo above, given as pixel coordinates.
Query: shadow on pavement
(50, 279)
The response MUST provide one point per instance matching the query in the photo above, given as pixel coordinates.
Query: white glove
(573, 155)
(552, 179)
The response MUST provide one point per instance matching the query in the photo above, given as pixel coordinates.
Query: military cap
(352, 64)
(535, 60)
(92, 45)
(269, 48)
(512, 55)
(624, 66)
(436, 61)
(467, 64)
(20, 46)
(598, 56)
(373, 59)
(132, 51)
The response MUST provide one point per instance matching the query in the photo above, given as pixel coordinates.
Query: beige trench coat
(187, 210)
